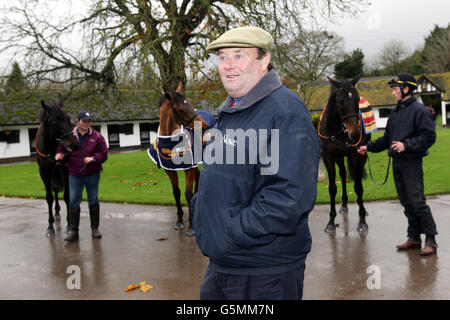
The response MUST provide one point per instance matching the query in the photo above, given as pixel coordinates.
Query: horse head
(344, 103)
(175, 110)
(58, 125)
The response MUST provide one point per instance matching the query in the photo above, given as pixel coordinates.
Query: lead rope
(387, 172)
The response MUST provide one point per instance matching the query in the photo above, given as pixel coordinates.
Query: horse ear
(61, 100)
(356, 79)
(168, 96)
(180, 88)
(44, 105)
(335, 83)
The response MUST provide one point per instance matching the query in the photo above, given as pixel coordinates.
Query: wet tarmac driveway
(140, 244)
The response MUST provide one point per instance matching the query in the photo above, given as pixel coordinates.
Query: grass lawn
(134, 178)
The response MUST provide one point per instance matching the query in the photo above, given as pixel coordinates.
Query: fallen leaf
(132, 287)
(146, 288)
(162, 239)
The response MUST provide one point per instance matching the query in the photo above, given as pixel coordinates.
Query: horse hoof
(190, 233)
(363, 227)
(50, 233)
(343, 210)
(179, 226)
(330, 228)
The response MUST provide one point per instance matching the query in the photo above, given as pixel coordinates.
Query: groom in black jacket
(408, 135)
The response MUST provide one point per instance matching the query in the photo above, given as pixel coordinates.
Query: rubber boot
(94, 214)
(74, 223)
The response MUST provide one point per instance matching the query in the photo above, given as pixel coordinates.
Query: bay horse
(55, 127)
(175, 111)
(341, 133)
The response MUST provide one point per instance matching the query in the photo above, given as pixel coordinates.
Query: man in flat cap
(251, 216)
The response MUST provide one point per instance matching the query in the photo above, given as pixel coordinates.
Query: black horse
(55, 127)
(341, 133)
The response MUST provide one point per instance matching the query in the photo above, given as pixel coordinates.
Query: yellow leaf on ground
(132, 287)
(146, 288)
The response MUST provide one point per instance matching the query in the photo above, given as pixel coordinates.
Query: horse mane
(54, 110)
(331, 112)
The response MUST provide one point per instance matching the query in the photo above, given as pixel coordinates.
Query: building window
(10, 136)
(384, 112)
(126, 128)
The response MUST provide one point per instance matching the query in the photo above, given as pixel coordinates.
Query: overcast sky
(407, 20)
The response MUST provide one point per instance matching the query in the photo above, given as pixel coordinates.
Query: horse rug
(174, 152)
(367, 115)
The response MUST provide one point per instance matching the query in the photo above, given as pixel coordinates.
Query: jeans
(76, 186)
(282, 286)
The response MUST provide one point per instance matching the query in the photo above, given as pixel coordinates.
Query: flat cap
(246, 37)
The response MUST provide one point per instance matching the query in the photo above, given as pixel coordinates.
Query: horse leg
(173, 176)
(332, 189)
(359, 190)
(190, 177)
(57, 207)
(51, 220)
(343, 176)
(196, 179)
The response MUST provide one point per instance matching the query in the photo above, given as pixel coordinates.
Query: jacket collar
(269, 83)
(75, 132)
(402, 104)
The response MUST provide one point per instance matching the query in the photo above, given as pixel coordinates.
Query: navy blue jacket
(245, 222)
(411, 123)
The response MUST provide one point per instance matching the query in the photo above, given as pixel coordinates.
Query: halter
(180, 120)
(344, 130)
(57, 139)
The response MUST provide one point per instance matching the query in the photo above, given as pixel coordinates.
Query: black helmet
(403, 80)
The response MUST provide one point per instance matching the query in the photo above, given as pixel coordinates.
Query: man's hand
(362, 150)
(398, 146)
(59, 156)
(88, 160)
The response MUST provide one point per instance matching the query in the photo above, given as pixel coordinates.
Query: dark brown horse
(175, 110)
(341, 132)
(55, 127)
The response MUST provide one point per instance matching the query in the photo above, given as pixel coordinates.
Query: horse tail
(57, 178)
(353, 170)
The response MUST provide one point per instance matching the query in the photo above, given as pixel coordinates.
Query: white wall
(130, 140)
(13, 150)
(22, 149)
(381, 122)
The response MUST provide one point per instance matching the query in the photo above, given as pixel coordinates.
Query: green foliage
(351, 66)
(435, 56)
(15, 81)
(315, 118)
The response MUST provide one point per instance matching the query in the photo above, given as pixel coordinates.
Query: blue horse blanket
(176, 152)
(173, 152)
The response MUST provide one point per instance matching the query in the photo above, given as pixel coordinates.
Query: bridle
(344, 129)
(57, 139)
(180, 120)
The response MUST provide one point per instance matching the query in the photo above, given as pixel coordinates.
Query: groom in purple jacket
(84, 166)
